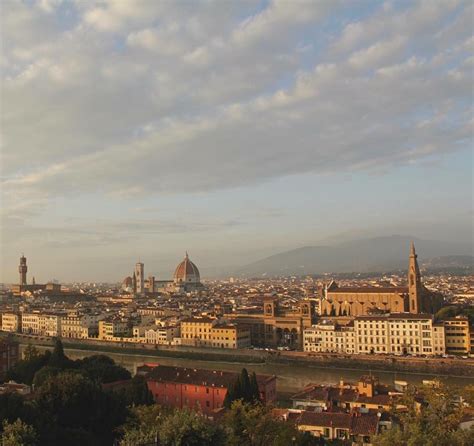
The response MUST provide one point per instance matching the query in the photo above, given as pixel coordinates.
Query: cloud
(164, 98)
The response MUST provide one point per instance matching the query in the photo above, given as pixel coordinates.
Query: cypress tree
(245, 389)
(254, 388)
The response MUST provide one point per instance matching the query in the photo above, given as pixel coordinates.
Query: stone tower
(414, 282)
(140, 277)
(22, 269)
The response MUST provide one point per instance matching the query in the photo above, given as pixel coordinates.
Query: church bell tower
(414, 282)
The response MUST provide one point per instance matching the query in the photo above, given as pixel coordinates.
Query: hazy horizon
(231, 130)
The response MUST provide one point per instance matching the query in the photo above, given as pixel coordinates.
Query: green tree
(254, 425)
(254, 391)
(58, 359)
(244, 389)
(18, 433)
(30, 352)
(70, 405)
(432, 422)
(103, 369)
(143, 425)
(188, 428)
(24, 370)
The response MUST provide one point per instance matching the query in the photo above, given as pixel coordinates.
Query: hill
(374, 254)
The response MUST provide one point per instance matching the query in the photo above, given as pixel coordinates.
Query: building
(113, 329)
(202, 390)
(457, 334)
(79, 326)
(49, 324)
(9, 356)
(225, 335)
(351, 428)
(399, 334)
(207, 332)
(366, 394)
(328, 336)
(186, 276)
(276, 326)
(162, 335)
(140, 278)
(196, 331)
(23, 286)
(357, 301)
(11, 322)
(22, 268)
(30, 323)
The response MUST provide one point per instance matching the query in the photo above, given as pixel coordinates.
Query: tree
(254, 425)
(24, 370)
(242, 389)
(434, 422)
(142, 426)
(70, 405)
(18, 433)
(58, 358)
(30, 352)
(255, 392)
(103, 369)
(188, 428)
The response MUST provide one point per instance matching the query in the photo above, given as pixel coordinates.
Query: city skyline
(234, 131)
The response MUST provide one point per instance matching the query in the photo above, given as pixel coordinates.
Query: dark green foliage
(453, 311)
(188, 428)
(134, 392)
(24, 370)
(102, 368)
(58, 359)
(71, 406)
(13, 406)
(252, 425)
(244, 388)
(30, 352)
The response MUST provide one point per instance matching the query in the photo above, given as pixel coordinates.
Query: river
(290, 377)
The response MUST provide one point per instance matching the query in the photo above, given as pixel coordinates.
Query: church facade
(360, 301)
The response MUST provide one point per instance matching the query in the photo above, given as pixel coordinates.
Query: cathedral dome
(186, 272)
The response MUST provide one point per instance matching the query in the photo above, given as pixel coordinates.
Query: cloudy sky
(234, 130)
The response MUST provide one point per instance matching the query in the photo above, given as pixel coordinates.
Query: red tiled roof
(198, 377)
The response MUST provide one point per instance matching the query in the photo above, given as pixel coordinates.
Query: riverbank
(435, 366)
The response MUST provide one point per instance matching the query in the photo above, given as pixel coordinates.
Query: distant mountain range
(367, 255)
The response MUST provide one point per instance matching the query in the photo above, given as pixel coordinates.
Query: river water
(290, 377)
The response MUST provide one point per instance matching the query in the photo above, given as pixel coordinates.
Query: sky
(137, 130)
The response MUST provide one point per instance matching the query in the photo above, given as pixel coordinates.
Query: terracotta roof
(394, 290)
(186, 270)
(198, 377)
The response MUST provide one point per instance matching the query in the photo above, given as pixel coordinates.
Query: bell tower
(414, 282)
(22, 269)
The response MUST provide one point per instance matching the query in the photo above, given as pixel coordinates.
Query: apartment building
(207, 332)
(30, 323)
(224, 335)
(196, 331)
(161, 335)
(49, 324)
(203, 390)
(328, 336)
(399, 334)
(113, 328)
(403, 333)
(79, 326)
(11, 322)
(457, 334)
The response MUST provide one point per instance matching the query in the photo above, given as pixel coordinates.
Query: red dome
(187, 271)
